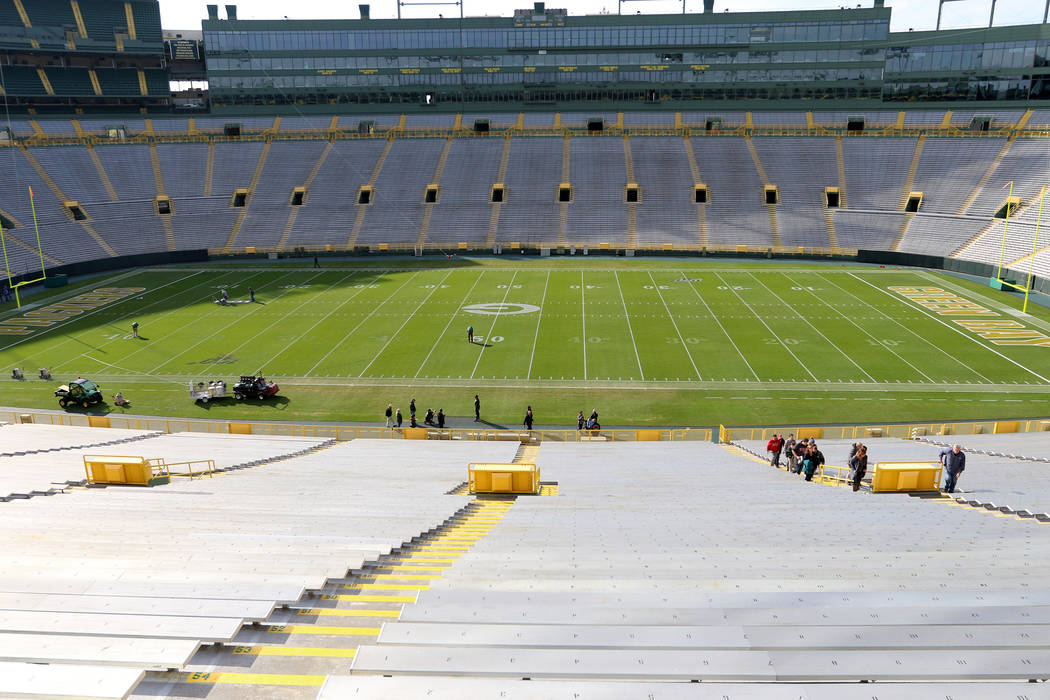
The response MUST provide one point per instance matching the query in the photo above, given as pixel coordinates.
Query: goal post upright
(13, 286)
(1035, 248)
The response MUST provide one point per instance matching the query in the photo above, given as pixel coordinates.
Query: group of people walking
(803, 457)
(394, 418)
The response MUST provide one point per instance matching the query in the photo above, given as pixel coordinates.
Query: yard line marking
(807, 321)
(583, 318)
(715, 317)
(948, 325)
(322, 320)
(450, 320)
(178, 309)
(405, 323)
(225, 328)
(763, 322)
(895, 321)
(629, 328)
(539, 318)
(488, 336)
(361, 322)
(685, 345)
(94, 311)
(862, 330)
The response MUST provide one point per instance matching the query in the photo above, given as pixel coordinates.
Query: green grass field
(662, 342)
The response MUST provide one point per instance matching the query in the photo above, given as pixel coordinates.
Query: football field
(663, 342)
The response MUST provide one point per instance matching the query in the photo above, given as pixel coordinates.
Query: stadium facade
(110, 56)
(547, 59)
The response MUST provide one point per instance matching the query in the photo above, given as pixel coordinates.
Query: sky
(907, 14)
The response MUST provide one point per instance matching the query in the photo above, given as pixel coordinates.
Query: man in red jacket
(774, 447)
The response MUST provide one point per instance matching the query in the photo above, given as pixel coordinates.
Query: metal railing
(897, 430)
(508, 130)
(350, 432)
(204, 467)
(589, 246)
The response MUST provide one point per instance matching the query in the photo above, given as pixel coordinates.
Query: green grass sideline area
(663, 342)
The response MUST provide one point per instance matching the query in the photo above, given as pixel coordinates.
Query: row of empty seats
(554, 190)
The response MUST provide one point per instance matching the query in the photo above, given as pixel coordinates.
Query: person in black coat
(441, 418)
(954, 461)
(858, 466)
(528, 418)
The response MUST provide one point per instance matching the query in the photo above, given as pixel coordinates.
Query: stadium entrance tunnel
(499, 192)
(831, 197)
(163, 206)
(564, 193)
(298, 197)
(1008, 208)
(76, 211)
(914, 202)
(240, 198)
(770, 194)
(365, 194)
(700, 193)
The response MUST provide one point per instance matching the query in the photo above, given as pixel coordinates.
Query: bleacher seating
(470, 170)
(598, 175)
(876, 169)
(667, 213)
(735, 214)
(397, 210)
(533, 173)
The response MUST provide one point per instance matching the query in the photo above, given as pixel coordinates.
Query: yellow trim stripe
(414, 577)
(412, 568)
(255, 679)
(426, 560)
(387, 586)
(372, 598)
(22, 14)
(79, 19)
(318, 629)
(342, 612)
(296, 651)
(131, 21)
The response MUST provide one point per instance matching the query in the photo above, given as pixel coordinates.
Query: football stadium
(530, 355)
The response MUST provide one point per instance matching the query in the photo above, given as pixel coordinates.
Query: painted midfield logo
(505, 308)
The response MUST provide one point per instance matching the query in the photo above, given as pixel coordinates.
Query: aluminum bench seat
(246, 610)
(148, 654)
(205, 629)
(962, 665)
(780, 637)
(80, 682)
(338, 687)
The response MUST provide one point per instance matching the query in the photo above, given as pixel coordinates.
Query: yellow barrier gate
(896, 477)
(503, 478)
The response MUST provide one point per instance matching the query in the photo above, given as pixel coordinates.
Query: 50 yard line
(449, 324)
(539, 318)
(488, 337)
